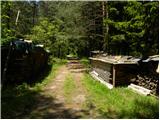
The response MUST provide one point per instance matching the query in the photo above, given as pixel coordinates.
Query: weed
(85, 62)
(69, 87)
(119, 102)
(18, 100)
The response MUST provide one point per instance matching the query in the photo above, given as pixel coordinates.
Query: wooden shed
(112, 72)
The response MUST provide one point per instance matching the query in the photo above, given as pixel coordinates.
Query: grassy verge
(18, 101)
(69, 87)
(85, 62)
(48, 78)
(119, 102)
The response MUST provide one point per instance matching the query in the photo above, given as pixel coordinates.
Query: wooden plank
(95, 76)
(112, 61)
(114, 76)
(139, 89)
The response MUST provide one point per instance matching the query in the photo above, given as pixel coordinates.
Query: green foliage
(85, 62)
(17, 102)
(11, 30)
(7, 33)
(61, 34)
(129, 26)
(44, 32)
(118, 38)
(119, 102)
(50, 35)
(54, 60)
(79, 27)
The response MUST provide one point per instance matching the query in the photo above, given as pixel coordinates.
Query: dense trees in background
(120, 28)
(133, 26)
(26, 20)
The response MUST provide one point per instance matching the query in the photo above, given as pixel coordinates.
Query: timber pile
(147, 81)
(23, 64)
(18, 70)
(120, 71)
(147, 76)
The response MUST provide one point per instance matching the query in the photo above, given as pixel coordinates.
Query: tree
(7, 31)
(128, 27)
(120, 28)
(92, 13)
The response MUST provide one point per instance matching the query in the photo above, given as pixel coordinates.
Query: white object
(139, 89)
(157, 68)
(95, 76)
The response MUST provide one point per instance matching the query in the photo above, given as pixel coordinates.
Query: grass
(17, 101)
(85, 62)
(50, 77)
(118, 102)
(69, 87)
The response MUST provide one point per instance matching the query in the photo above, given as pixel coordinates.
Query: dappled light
(79, 59)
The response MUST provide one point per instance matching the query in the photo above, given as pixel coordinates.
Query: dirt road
(63, 103)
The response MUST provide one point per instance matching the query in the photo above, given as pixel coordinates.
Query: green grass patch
(118, 102)
(69, 87)
(54, 60)
(18, 101)
(85, 62)
(48, 78)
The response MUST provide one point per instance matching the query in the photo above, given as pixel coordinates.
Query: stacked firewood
(148, 77)
(147, 81)
(25, 67)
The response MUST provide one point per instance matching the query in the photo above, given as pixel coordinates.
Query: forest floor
(68, 91)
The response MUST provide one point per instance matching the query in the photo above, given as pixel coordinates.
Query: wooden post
(114, 75)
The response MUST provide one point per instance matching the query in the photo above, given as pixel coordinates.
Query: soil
(56, 105)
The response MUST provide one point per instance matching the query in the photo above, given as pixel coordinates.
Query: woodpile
(120, 72)
(147, 81)
(23, 64)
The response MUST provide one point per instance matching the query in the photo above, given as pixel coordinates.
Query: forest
(79, 59)
(119, 28)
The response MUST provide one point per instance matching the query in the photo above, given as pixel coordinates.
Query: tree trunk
(106, 27)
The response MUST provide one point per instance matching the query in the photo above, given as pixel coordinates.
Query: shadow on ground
(37, 77)
(21, 102)
(41, 75)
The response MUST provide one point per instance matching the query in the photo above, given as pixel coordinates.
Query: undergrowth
(17, 101)
(85, 62)
(118, 102)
